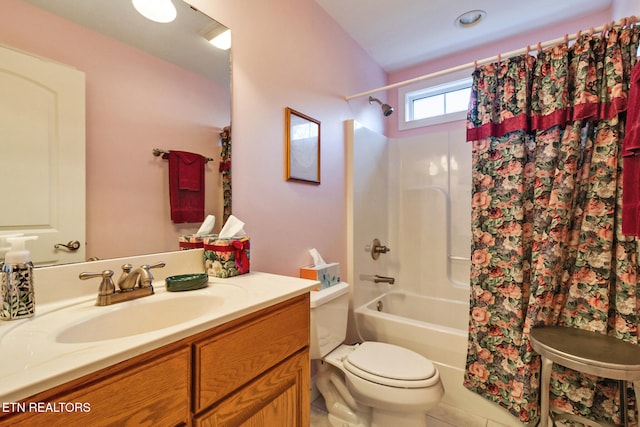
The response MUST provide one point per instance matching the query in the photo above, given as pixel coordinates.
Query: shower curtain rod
(490, 59)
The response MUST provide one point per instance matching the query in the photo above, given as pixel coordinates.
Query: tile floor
(319, 416)
(441, 416)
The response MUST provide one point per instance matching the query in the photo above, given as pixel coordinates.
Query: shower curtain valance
(527, 93)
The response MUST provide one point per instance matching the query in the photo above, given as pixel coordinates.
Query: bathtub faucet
(383, 279)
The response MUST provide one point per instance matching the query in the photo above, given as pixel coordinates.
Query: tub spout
(383, 279)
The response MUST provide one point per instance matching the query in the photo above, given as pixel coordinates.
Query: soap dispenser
(16, 281)
(5, 246)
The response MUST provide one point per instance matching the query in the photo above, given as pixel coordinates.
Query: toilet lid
(390, 365)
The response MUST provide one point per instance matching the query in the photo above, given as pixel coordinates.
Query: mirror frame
(303, 147)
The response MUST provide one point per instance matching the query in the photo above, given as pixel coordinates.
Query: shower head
(387, 109)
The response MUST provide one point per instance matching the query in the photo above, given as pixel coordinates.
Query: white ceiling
(401, 33)
(396, 33)
(179, 42)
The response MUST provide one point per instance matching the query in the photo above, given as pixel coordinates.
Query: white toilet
(371, 384)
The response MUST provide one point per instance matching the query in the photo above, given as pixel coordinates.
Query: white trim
(452, 78)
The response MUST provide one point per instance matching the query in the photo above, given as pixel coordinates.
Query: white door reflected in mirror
(42, 125)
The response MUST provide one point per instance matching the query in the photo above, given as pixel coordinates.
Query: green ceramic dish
(187, 282)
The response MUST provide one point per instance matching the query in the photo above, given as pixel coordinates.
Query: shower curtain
(547, 247)
(225, 171)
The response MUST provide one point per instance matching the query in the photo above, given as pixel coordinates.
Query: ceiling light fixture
(470, 18)
(162, 11)
(222, 40)
(219, 36)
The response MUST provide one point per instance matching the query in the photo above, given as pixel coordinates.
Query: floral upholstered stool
(590, 353)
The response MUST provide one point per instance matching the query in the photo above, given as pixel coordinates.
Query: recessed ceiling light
(159, 11)
(469, 19)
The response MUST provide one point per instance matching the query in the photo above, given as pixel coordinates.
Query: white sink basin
(139, 317)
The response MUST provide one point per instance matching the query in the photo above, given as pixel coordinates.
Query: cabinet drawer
(233, 358)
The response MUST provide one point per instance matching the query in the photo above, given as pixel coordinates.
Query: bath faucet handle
(378, 248)
(106, 286)
(148, 279)
(381, 249)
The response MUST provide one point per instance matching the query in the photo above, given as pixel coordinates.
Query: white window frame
(430, 87)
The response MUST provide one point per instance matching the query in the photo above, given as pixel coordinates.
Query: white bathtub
(437, 329)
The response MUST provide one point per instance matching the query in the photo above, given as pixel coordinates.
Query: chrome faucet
(131, 284)
(383, 279)
(140, 277)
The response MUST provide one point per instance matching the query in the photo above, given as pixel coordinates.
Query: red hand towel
(186, 186)
(631, 153)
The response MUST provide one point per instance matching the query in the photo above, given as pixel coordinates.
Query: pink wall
(290, 53)
(512, 43)
(285, 53)
(130, 111)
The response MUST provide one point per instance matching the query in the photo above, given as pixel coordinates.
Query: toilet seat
(391, 365)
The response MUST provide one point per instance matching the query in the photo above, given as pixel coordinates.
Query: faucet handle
(146, 282)
(158, 264)
(106, 286)
(378, 248)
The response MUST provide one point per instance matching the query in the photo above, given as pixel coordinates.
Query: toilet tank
(329, 313)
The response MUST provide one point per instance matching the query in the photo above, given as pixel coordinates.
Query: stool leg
(636, 391)
(545, 378)
(623, 403)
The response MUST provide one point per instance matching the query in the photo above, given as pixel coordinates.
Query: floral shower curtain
(225, 171)
(547, 247)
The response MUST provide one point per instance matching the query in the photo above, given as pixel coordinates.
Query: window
(428, 103)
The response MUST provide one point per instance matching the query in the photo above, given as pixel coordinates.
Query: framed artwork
(303, 147)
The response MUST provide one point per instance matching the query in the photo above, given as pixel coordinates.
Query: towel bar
(158, 152)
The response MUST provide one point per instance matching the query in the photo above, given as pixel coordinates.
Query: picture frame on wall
(303, 147)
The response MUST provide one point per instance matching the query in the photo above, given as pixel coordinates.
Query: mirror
(180, 101)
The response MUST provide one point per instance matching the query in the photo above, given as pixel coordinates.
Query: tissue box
(226, 257)
(327, 274)
(191, 241)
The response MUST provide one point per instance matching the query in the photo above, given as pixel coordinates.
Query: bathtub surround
(547, 247)
(416, 175)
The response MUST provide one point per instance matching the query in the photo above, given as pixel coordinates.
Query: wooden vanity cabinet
(256, 372)
(252, 371)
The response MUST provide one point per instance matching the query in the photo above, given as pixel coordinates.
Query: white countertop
(32, 360)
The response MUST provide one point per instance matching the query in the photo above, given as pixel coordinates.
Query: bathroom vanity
(244, 362)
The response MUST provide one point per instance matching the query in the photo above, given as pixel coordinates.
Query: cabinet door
(231, 359)
(153, 393)
(280, 398)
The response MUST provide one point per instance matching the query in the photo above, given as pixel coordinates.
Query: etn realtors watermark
(46, 407)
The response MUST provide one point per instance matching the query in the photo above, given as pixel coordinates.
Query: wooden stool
(588, 352)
